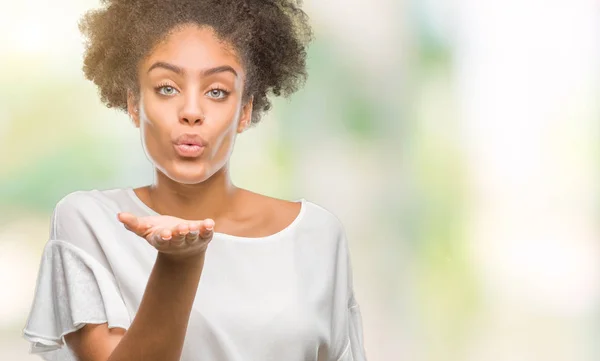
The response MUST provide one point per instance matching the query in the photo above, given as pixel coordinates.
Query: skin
(195, 196)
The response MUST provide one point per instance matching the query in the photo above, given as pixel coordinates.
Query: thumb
(130, 221)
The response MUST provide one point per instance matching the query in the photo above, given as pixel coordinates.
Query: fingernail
(195, 233)
(165, 238)
(209, 224)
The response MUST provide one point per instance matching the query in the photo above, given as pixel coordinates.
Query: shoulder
(82, 200)
(320, 216)
(82, 224)
(305, 211)
(75, 200)
(307, 216)
(86, 197)
(322, 224)
(75, 212)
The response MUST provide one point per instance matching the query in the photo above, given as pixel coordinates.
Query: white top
(287, 296)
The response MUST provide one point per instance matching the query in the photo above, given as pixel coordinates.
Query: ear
(246, 117)
(133, 108)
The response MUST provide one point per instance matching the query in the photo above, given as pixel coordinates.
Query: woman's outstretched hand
(171, 235)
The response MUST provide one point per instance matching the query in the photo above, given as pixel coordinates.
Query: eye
(217, 93)
(166, 90)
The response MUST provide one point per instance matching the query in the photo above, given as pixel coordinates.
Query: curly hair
(270, 36)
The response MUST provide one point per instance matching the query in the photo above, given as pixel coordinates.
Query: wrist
(182, 259)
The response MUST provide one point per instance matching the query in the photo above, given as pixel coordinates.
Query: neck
(212, 198)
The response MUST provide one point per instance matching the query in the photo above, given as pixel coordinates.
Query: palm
(158, 223)
(169, 234)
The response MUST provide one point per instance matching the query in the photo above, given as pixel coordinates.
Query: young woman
(192, 267)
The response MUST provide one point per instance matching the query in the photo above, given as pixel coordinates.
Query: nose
(193, 120)
(191, 113)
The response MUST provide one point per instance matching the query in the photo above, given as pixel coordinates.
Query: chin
(188, 173)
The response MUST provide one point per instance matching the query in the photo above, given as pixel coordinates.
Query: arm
(159, 327)
(158, 330)
(350, 322)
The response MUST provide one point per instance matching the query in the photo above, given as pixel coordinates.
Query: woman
(192, 267)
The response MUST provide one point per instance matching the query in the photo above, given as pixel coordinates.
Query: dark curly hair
(270, 36)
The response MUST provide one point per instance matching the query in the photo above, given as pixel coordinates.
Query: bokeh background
(456, 140)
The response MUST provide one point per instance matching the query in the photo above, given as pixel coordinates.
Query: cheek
(223, 131)
(154, 137)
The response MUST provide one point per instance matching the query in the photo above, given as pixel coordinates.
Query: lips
(189, 145)
(191, 140)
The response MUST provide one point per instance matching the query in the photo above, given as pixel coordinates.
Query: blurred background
(456, 140)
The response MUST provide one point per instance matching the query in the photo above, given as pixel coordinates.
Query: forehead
(194, 48)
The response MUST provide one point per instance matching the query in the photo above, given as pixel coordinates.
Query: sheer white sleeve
(73, 287)
(355, 348)
(352, 319)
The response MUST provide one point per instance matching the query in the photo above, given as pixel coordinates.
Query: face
(189, 108)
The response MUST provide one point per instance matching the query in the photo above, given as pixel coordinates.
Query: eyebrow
(205, 72)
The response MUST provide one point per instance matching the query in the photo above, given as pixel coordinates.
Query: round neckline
(280, 233)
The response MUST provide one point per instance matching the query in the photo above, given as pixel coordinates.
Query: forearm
(158, 330)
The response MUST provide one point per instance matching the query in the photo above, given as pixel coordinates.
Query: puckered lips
(189, 145)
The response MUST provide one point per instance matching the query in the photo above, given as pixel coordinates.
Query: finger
(130, 222)
(195, 227)
(179, 234)
(206, 230)
(161, 238)
(126, 218)
(194, 233)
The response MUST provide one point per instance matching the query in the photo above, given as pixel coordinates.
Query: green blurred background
(457, 141)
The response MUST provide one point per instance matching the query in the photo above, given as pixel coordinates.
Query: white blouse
(287, 296)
